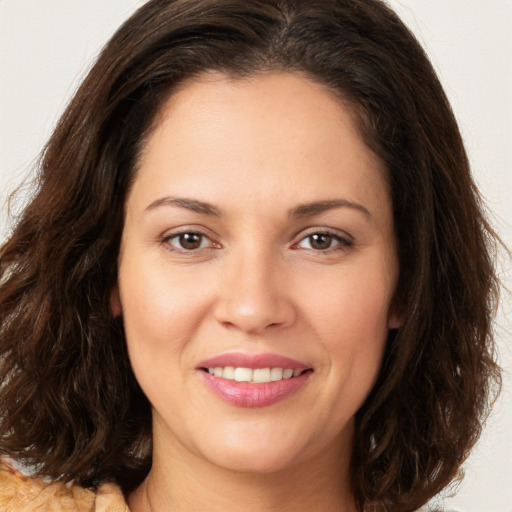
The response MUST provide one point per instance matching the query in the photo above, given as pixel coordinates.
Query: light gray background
(46, 46)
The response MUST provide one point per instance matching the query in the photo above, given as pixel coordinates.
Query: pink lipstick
(257, 380)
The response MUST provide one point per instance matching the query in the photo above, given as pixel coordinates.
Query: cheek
(354, 336)
(161, 313)
(351, 305)
(351, 321)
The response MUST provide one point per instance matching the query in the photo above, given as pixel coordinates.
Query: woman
(255, 270)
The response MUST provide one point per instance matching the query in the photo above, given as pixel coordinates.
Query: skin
(255, 150)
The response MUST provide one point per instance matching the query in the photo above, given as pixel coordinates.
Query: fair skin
(259, 227)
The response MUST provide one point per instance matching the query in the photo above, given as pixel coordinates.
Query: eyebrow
(189, 204)
(318, 207)
(300, 211)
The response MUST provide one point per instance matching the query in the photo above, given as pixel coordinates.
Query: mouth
(255, 375)
(260, 380)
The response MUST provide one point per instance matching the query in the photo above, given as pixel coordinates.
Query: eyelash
(167, 241)
(342, 242)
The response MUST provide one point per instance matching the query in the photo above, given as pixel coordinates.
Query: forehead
(263, 133)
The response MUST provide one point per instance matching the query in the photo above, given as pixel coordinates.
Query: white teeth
(276, 374)
(287, 374)
(229, 372)
(257, 376)
(261, 375)
(243, 374)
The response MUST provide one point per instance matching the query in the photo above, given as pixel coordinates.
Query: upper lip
(241, 360)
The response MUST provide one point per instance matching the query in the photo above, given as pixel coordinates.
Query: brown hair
(70, 403)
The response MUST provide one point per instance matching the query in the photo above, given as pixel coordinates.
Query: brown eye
(188, 241)
(320, 241)
(324, 241)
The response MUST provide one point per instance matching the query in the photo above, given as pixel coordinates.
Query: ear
(395, 321)
(395, 315)
(115, 302)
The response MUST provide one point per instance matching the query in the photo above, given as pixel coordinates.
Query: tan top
(19, 493)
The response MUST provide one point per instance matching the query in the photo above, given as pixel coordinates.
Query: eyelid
(182, 230)
(324, 230)
(345, 239)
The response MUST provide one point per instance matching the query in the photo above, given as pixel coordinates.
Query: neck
(182, 481)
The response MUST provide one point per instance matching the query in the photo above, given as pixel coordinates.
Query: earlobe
(395, 321)
(395, 316)
(115, 302)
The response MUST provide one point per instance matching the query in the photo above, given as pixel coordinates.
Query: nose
(254, 295)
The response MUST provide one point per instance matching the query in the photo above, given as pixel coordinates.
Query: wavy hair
(70, 404)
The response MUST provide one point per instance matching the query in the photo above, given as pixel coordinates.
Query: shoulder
(20, 493)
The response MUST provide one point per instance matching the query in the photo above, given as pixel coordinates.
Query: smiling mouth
(256, 375)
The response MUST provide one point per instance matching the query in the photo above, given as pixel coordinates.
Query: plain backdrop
(47, 45)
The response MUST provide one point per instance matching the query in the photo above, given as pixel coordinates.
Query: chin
(261, 449)
(253, 461)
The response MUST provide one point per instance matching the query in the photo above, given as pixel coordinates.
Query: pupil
(321, 241)
(190, 240)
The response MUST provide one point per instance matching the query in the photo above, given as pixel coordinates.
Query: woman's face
(258, 242)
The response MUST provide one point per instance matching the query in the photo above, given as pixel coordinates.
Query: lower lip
(245, 394)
